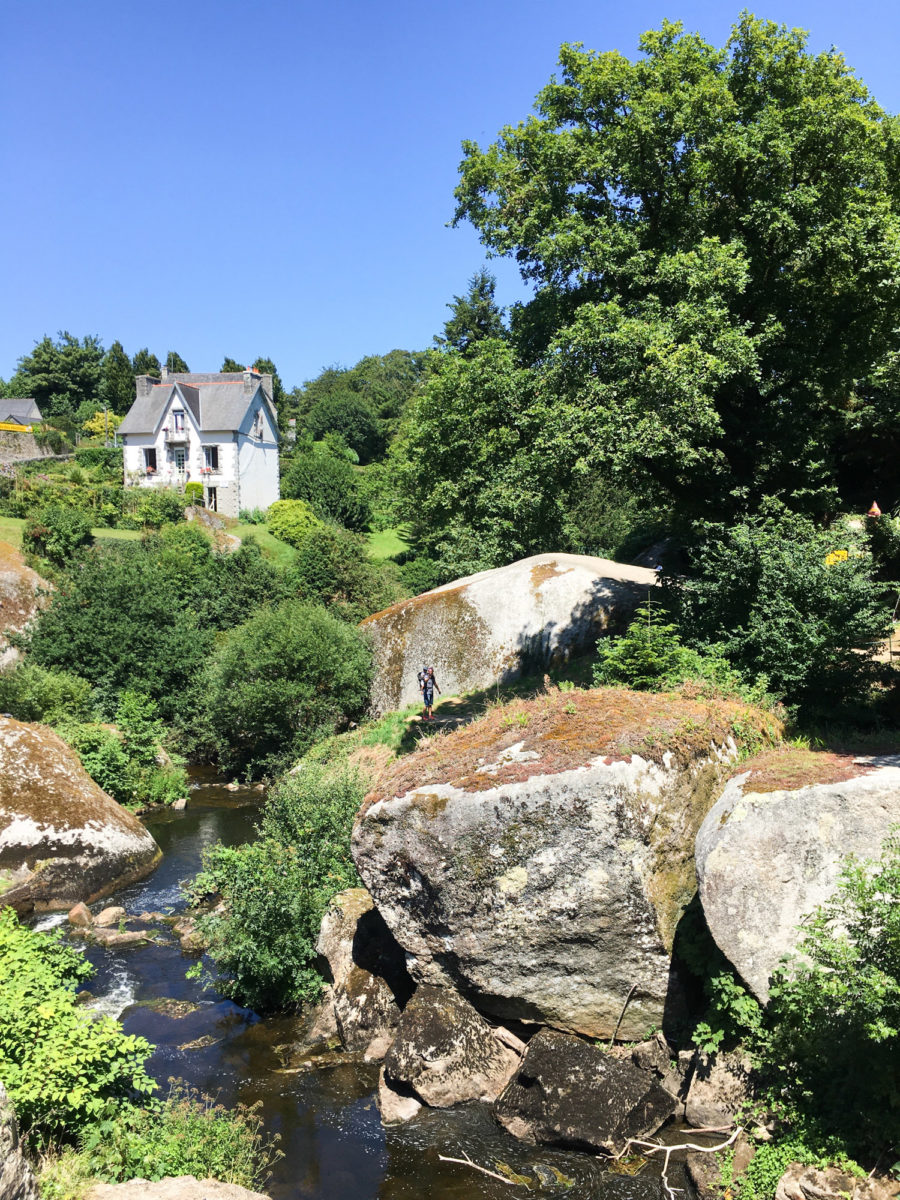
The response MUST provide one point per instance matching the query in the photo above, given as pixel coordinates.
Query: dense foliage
(57, 533)
(276, 889)
(60, 1064)
(788, 601)
(289, 675)
(327, 483)
(712, 234)
(333, 569)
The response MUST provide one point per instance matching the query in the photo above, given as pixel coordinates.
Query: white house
(218, 429)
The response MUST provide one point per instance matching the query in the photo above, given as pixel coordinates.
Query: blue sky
(220, 177)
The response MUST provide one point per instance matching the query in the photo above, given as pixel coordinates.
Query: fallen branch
(467, 1162)
(655, 1147)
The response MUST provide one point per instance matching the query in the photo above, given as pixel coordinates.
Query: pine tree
(117, 382)
(475, 316)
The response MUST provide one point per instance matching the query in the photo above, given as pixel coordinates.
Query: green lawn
(387, 542)
(11, 531)
(279, 552)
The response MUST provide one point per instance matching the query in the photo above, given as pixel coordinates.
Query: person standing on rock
(427, 684)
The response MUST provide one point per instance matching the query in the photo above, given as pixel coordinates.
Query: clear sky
(275, 177)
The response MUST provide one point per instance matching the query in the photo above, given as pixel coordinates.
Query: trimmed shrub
(108, 457)
(291, 521)
(193, 492)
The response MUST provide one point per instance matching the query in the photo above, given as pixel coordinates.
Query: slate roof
(215, 402)
(20, 412)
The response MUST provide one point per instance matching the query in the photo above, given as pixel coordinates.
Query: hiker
(427, 684)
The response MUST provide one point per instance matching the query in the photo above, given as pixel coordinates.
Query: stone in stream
(114, 938)
(369, 981)
(530, 863)
(80, 916)
(490, 627)
(568, 1092)
(62, 839)
(765, 860)
(110, 916)
(444, 1053)
(16, 1179)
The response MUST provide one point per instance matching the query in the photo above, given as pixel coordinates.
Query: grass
(11, 531)
(386, 543)
(279, 552)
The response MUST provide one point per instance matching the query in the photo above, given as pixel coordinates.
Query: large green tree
(61, 375)
(117, 382)
(714, 240)
(146, 363)
(176, 364)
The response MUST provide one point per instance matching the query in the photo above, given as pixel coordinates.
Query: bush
(61, 1065)
(57, 533)
(291, 521)
(332, 567)
(107, 457)
(124, 763)
(328, 485)
(159, 506)
(193, 492)
(422, 574)
(834, 1046)
(33, 693)
(276, 889)
(187, 1134)
(771, 594)
(287, 676)
(650, 657)
(252, 516)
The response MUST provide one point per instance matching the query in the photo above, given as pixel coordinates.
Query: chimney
(248, 380)
(143, 384)
(164, 374)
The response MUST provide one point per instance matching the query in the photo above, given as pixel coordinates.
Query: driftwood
(668, 1151)
(467, 1162)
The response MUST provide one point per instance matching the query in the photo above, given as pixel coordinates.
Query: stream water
(333, 1142)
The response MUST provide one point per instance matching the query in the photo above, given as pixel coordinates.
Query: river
(331, 1135)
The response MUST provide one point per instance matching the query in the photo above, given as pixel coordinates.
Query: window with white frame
(211, 458)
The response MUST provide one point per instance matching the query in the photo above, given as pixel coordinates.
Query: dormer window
(178, 419)
(258, 425)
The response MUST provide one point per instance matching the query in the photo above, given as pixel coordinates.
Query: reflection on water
(334, 1145)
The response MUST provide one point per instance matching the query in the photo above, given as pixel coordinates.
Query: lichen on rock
(62, 838)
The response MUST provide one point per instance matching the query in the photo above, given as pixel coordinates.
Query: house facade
(220, 430)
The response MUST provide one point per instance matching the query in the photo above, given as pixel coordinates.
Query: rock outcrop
(767, 859)
(444, 1053)
(542, 893)
(812, 1183)
(369, 981)
(21, 591)
(491, 627)
(180, 1187)
(570, 1093)
(62, 839)
(16, 1179)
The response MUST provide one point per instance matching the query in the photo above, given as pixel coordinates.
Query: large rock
(542, 893)
(22, 593)
(62, 839)
(445, 1053)
(720, 1085)
(180, 1187)
(16, 1179)
(369, 981)
(800, 1182)
(766, 860)
(491, 627)
(570, 1093)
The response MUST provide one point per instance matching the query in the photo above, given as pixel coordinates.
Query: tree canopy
(61, 375)
(474, 316)
(714, 240)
